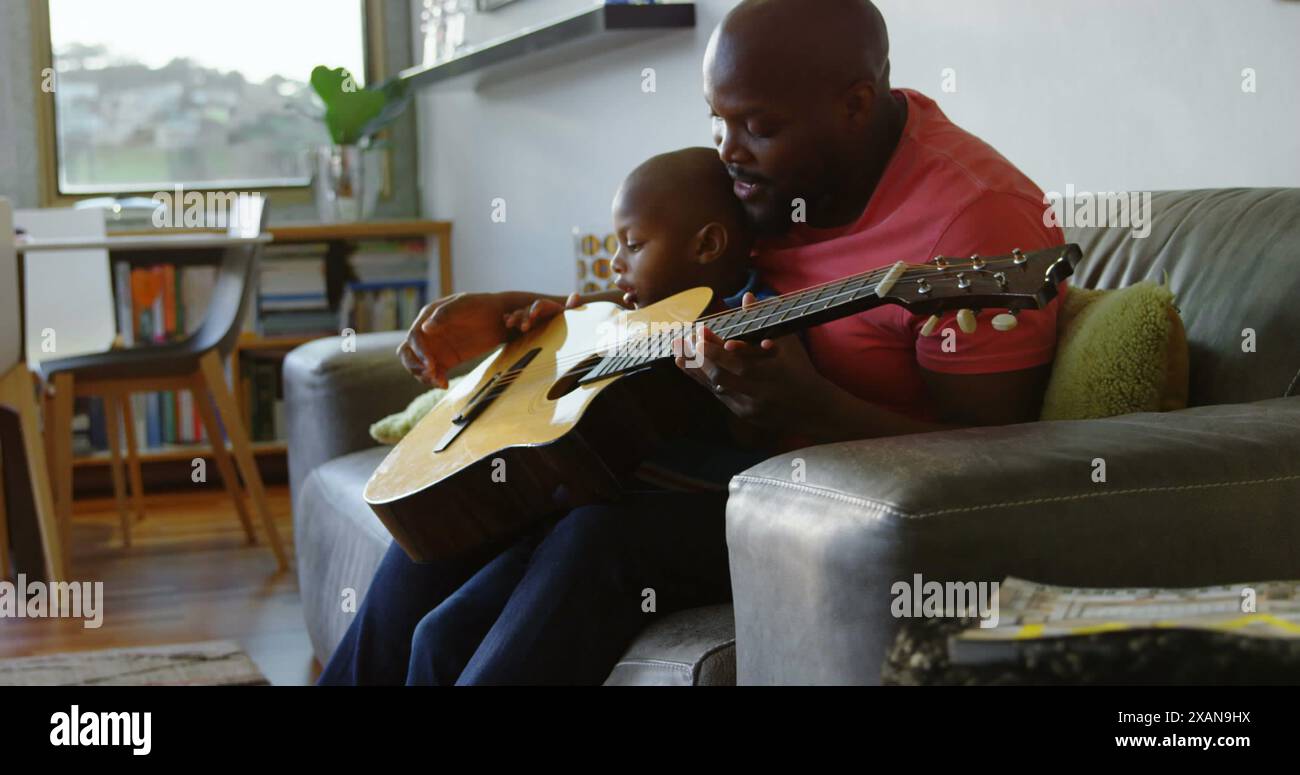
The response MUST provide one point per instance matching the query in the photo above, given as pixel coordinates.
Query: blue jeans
(558, 606)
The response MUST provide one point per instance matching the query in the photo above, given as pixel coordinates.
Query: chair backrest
(11, 344)
(69, 293)
(1233, 258)
(236, 278)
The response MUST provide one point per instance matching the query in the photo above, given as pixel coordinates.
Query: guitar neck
(770, 318)
(796, 311)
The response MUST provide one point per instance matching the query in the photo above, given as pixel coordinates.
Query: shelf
(175, 452)
(578, 35)
(318, 232)
(322, 232)
(248, 341)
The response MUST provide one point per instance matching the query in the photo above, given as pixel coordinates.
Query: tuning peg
(930, 326)
(1005, 321)
(966, 321)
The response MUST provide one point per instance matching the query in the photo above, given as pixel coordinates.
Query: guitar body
(542, 444)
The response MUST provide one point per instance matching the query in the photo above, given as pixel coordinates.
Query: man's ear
(859, 103)
(710, 243)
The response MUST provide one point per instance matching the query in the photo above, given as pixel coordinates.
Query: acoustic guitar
(560, 415)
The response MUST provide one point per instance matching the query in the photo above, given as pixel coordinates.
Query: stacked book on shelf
(263, 392)
(389, 287)
(291, 298)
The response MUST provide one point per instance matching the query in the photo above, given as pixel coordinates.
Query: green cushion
(1118, 351)
(392, 428)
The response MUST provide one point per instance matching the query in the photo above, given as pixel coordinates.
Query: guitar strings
(912, 273)
(629, 344)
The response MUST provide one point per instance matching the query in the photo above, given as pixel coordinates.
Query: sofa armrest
(331, 397)
(1200, 496)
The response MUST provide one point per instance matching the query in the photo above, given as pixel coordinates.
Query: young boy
(679, 226)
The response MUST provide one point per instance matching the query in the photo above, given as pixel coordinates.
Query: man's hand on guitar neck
(456, 328)
(773, 384)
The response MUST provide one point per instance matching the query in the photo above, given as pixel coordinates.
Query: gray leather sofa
(1210, 494)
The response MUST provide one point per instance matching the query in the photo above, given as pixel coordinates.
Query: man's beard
(767, 218)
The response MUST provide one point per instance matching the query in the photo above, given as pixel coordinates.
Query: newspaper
(1029, 612)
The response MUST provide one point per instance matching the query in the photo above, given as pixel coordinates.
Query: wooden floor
(189, 576)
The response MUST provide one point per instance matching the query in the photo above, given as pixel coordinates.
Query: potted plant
(346, 174)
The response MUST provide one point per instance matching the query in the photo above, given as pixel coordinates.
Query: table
(187, 241)
(919, 656)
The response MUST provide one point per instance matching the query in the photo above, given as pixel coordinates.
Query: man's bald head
(802, 112)
(807, 43)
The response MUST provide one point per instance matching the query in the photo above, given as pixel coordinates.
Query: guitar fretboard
(640, 348)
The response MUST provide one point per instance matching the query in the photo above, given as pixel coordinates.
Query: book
(122, 290)
(196, 286)
(153, 421)
(98, 424)
(382, 306)
(1028, 612)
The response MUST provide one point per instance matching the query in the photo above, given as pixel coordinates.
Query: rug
(211, 663)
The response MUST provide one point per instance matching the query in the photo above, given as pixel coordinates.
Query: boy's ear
(710, 243)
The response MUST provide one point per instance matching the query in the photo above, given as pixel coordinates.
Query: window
(149, 94)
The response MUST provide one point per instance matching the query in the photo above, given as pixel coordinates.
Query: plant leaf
(347, 112)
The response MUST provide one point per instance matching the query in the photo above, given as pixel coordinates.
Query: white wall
(19, 157)
(1101, 94)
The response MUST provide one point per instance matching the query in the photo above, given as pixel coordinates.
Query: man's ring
(717, 389)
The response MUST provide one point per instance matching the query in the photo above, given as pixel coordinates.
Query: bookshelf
(340, 243)
(584, 33)
(172, 453)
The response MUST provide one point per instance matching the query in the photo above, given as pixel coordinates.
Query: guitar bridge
(481, 400)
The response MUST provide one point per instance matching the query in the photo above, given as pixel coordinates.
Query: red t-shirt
(944, 192)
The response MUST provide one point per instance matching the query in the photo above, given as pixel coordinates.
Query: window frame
(375, 53)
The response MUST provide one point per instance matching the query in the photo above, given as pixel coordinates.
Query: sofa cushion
(339, 542)
(696, 647)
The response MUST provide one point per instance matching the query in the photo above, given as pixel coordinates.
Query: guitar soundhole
(569, 380)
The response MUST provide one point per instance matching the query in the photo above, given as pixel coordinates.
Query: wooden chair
(194, 364)
(18, 394)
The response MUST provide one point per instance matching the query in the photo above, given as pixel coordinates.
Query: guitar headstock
(1013, 282)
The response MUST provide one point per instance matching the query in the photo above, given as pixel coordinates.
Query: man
(843, 175)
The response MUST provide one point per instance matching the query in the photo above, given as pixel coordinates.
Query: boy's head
(679, 226)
